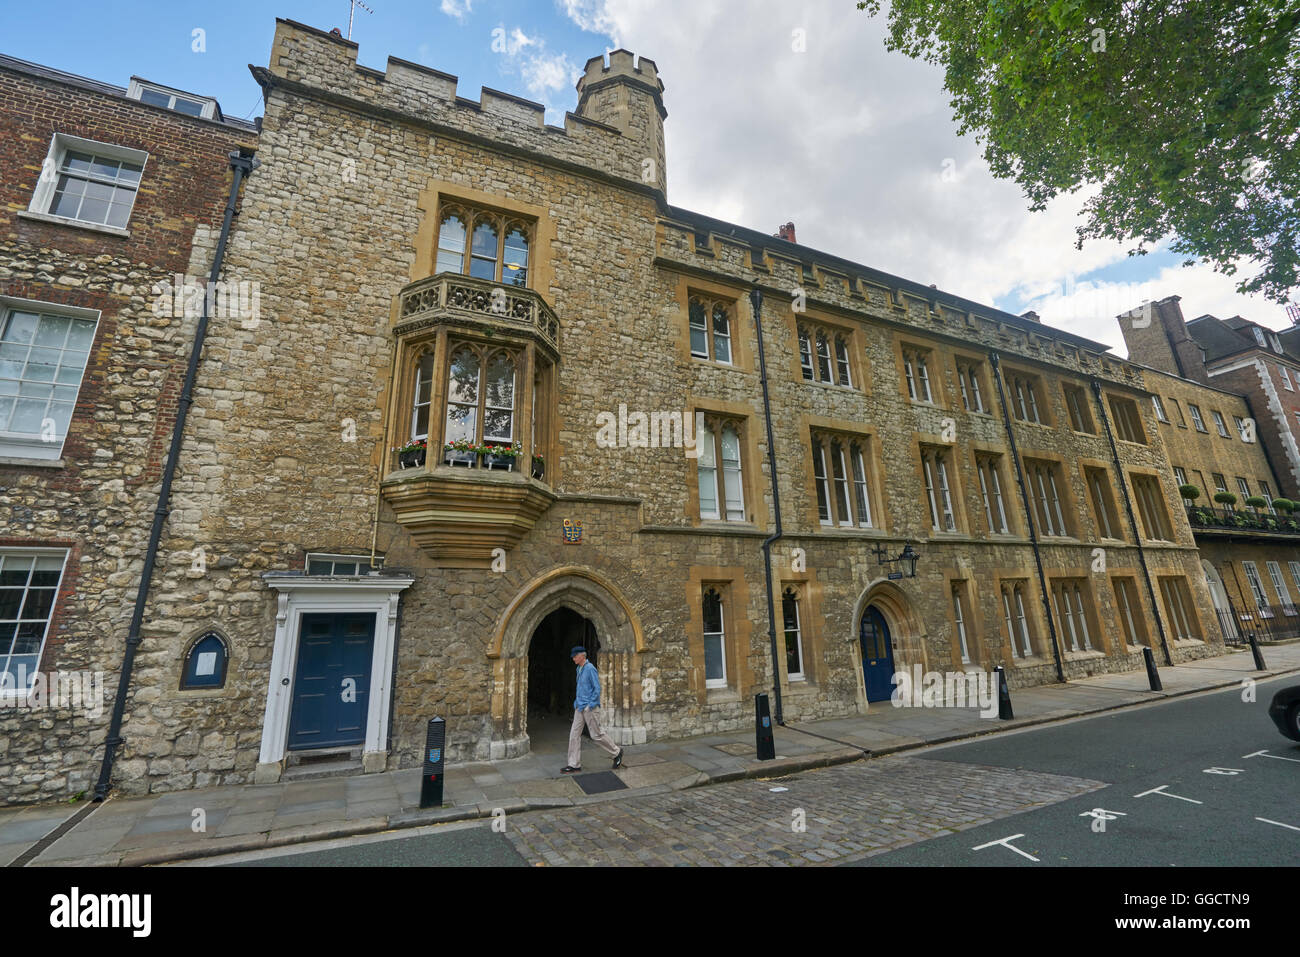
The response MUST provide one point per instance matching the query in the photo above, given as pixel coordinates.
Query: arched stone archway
(596, 599)
(1222, 607)
(906, 629)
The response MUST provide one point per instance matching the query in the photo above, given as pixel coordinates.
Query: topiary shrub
(1257, 502)
(1225, 498)
(1189, 492)
(1284, 505)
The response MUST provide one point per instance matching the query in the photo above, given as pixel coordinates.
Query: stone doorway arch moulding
(621, 643)
(907, 632)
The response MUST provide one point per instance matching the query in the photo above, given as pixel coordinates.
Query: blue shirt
(588, 688)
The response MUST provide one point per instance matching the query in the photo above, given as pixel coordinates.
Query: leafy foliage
(1181, 115)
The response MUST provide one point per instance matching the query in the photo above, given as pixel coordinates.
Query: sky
(778, 111)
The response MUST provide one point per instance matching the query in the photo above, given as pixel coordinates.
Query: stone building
(1236, 355)
(108, 194)
(612, 411)
(1250, 550)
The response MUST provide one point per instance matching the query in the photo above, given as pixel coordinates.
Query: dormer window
(1259, 335)
(154, 95)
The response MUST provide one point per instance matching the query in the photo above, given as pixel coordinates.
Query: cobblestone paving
(849, 812)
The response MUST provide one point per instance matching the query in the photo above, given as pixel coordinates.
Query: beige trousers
(591, 717)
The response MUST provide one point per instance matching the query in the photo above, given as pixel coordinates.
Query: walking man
(586, 710)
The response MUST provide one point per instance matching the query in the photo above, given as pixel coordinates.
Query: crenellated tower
(628, 95)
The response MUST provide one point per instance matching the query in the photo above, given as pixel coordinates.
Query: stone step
(322, 769)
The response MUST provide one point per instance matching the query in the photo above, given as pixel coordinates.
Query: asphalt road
(1196, 749)
(1186, 783)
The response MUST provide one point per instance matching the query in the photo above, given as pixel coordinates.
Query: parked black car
(1285, 711)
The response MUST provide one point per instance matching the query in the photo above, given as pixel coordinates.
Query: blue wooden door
(877, 655)
(331, 689)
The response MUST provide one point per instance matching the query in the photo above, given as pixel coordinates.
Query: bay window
(497, 248)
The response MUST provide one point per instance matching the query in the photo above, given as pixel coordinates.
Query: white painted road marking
(1278, 823)
(1161, 791)
(1004, 843)
(1228, 771)
(1276, 757)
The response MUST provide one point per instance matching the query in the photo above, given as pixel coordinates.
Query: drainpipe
(243, 165)
(1132, 521)
(756, 300)
(1029, 514)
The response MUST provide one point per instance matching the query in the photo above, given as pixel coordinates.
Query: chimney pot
(785, 232)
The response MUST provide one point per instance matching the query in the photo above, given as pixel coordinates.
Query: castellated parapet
(617, 131)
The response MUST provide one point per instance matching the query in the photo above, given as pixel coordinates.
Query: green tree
(1181, 115)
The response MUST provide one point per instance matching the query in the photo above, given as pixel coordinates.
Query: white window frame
(137, 87)
(1257, 589)
(1279, 586)
(1267, 493)
(1122, 596)
(1219, 424)
(361, 561)
(960, 620)
(799, 675)
(30, 445)
(988, 474)
(1100, 502)
(1160, 409)
(1197, 421)
(12, 694)
(861, 487)
(1295, 573)
(60, 144)
(720, 636)
(1286, 377)
(1178, 615)
(917, 371)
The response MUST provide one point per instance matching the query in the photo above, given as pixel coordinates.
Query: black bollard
(1004, 695)
(1153, 676)
(763, 729)
(1259, 655)
(431, 783)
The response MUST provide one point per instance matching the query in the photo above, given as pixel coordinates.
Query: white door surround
(330, 594)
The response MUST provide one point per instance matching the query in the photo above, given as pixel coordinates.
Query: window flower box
(539, 467)
(411, 455)
(500, 456)
(461, 452)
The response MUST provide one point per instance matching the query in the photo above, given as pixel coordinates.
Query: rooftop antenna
(352, 10)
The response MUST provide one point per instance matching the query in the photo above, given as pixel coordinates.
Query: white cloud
(459, 9)
(546, 73)
(594, 16)
(849, 141)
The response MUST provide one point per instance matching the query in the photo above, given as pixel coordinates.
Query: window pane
(483, 253)
(461, 421)
(451, 245)
(516, 261)
(501, 382)
(699, 330)
(721, 335)
(731, 475)
(462, 385)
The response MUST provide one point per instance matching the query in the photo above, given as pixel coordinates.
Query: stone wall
(97, 500)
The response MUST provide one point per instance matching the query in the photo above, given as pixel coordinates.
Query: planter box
(504, 462)
(411, 460)
(539, 469)
(467, 459)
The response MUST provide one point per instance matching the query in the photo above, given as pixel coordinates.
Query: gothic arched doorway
(562, 608)
(552, 678)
